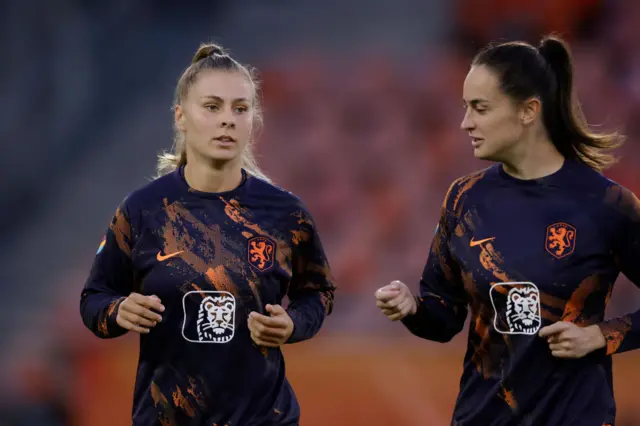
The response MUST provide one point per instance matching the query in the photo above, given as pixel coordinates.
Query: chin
(222, 154)
(483, 153)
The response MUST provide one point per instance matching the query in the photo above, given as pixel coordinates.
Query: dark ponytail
(547, 72)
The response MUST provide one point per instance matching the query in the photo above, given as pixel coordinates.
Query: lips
(476, 141)
(225, 138)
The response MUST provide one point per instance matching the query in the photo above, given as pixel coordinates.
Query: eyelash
(239, 110)
(478, 110)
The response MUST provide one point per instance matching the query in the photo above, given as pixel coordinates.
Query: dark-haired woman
(531, 246)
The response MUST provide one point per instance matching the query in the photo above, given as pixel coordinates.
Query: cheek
(245, 123)
(505, 128)
(198, 122)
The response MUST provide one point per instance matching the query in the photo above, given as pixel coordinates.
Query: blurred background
(362, 107)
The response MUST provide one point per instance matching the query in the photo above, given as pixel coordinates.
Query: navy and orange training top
(519, 255)
(211, 259)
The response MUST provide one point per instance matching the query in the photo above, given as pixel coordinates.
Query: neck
(213, 177)
(534, 159)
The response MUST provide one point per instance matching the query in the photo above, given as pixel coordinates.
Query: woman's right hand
(137, 314)
(396, 301)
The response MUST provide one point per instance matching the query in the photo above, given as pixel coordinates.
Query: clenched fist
(396, 301)
(271, 331)
(138, 313)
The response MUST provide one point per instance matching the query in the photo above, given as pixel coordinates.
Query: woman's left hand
(567, 340)
(270, 331)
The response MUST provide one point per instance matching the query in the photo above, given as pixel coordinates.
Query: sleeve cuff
(111, 327)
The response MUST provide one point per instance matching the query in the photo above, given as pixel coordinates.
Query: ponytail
(547, 73)
(563, 114)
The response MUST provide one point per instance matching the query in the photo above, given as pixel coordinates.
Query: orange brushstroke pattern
(509, 398)
(219, 278)
(197, 396)
(464, 184)
(111, 310)
(181, 402)
(574, 308)
(614, 332)
(122, 231)
(166, 418)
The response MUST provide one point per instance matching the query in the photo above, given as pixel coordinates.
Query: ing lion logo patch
(261, 251)
(209, 316)
(517, 311)
(561, 240)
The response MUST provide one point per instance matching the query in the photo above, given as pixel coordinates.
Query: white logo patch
(517, 312)
(209, 316)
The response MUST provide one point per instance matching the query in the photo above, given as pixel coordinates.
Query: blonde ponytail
(170, 161)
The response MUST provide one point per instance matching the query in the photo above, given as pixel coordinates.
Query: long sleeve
(623, 333)
(110, 280)
(311, 290)
(442, 301)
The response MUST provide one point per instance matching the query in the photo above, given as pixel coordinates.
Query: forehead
(228, 85)
(481, 83)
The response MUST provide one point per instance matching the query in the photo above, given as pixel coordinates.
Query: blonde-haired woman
(199, 260)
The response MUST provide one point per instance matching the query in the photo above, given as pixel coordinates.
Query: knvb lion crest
(561, 240)
(261, 252)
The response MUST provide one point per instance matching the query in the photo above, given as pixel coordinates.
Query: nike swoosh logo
(474, 243)
(162, 258)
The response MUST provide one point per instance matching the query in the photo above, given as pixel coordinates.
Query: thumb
(393, 286)
(275, 309)
(396, 285)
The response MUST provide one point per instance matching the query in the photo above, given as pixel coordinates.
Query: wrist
(596, 338)
(290, 329)
(414, 306)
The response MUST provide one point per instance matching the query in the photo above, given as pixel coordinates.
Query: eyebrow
(475, 102)
(219, 99)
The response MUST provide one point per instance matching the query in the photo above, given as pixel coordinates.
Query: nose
(467, 122)
(227, 119)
